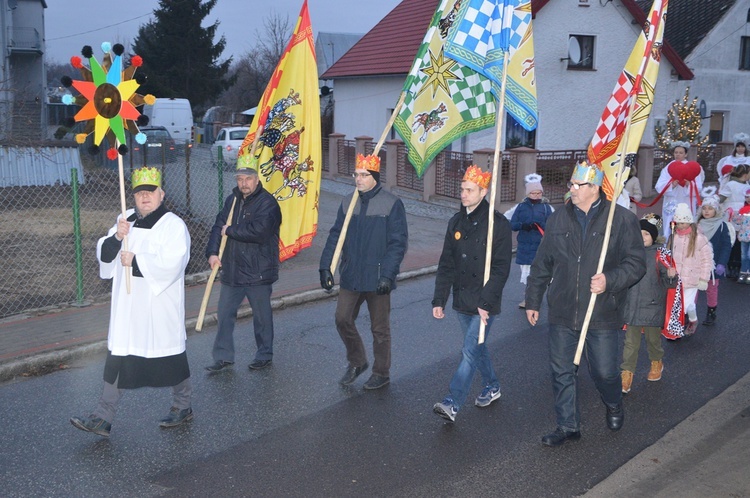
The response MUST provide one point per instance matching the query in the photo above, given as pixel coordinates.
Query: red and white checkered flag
(637, 80)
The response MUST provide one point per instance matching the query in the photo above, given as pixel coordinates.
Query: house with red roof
(581, 47)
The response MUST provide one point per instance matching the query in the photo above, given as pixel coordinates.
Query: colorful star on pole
(108, 98)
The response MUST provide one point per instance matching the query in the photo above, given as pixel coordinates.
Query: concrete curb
(54, 360)
(687, 460)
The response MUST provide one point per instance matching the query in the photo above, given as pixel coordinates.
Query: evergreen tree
(180, 58)
(683, 124)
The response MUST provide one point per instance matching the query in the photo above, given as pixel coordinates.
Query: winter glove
(326, 279)
(702, 285)
(384, 286)
(526, 227)
(720, 270)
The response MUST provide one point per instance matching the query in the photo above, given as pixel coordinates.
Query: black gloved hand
(526, 227)
(326, 279)
(384, 286)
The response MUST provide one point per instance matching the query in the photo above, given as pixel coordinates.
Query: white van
(175, 115)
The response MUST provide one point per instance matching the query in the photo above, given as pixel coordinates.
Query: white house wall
(571, 101)
(362, 106)
(718, 81)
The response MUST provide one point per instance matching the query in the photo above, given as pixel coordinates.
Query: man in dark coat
(566, 268)
(375, 245)
(250, 265)
(461, 267)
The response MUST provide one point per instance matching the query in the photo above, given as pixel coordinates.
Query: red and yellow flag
(637, 81)
(288, 150)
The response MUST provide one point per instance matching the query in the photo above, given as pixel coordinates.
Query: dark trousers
(347, 311)
(111, 394)
(230, 299)
(601, 358)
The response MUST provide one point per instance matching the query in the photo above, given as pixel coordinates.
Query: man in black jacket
(461, 267)
(250, 265)
(374, 247)
(565, 266)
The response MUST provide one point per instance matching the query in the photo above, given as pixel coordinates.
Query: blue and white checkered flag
(482, 32)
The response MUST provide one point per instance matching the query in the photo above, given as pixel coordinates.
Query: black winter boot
(710, 316)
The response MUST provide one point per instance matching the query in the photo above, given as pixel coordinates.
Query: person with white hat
(740, 155)
(741, 220)
(717, 231)
(732, 198)
(529, 219)
(694, 259)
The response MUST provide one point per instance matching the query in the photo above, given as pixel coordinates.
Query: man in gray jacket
(375, 245)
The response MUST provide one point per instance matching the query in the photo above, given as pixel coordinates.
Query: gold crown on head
(370, 163)
(146, 176)
(475, 174)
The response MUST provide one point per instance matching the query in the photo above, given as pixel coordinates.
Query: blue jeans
(473, 357)
(745, 257)
(230, 299)
(602, 361)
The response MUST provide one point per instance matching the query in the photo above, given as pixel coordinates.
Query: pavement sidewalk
(705, 455)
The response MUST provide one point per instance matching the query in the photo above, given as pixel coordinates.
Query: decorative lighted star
(107, 98)
(438, 73)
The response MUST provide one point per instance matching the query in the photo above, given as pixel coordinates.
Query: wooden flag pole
(350, 210)
(621, 171)
(222, 245)
(121, 173)
(496, 183)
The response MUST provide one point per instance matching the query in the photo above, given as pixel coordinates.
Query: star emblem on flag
(438, 73)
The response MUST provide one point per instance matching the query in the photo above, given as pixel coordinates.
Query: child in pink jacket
(694, 259)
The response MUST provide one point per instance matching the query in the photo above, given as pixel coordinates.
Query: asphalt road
(292, 431)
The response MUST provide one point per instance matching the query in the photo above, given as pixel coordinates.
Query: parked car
(229, 140)
(156, 136)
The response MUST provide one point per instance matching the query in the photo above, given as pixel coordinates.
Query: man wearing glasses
(375, 244)
(565, 266)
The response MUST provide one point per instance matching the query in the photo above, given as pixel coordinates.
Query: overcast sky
(71, 24)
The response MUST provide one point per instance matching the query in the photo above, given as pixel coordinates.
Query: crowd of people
(647, 282)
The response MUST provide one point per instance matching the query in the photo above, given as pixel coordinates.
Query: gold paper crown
(146, 176)
(370, 163)
(475, 174)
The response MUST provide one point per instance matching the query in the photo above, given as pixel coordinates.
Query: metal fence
(406, 175)
(554, 166)
(347, 153)
(450, 168)
(48, 234)
(326, 159)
